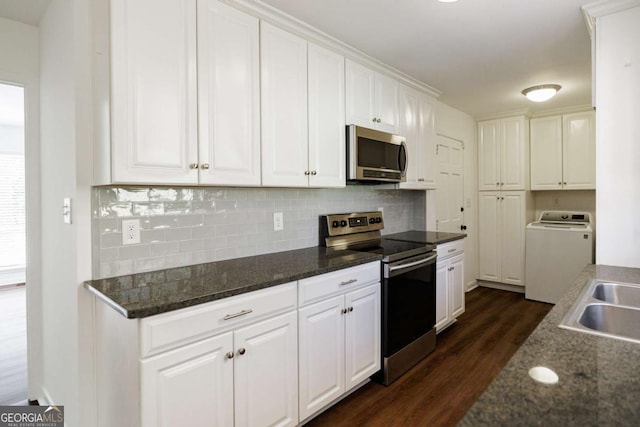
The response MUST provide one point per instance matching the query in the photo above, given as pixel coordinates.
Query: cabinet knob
(379, 120)
(373, 120)
(343, 311)
(501, 184)
(314, 173)
(229, 355)
(501, 198)
(560, 183)
(497, 197)
(241, 351)
(497, 184)
(307, 172)
(421, 179)
(193, 166)
(350, 309)
(204, 166)
(564, 183)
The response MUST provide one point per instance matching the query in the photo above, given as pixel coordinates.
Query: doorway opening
(13, 324)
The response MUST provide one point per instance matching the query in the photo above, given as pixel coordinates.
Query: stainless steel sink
(611, 319)
(607, 309)
(618, 294)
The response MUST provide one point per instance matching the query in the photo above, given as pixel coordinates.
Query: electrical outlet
(278, 221)
(130, 231)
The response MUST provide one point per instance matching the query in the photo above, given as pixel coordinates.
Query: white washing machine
(558, 246)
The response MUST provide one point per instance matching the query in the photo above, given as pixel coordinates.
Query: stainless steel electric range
(408, 288)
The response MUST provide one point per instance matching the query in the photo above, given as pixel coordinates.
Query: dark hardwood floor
(443, 387)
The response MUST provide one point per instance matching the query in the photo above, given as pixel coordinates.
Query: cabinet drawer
(450, 249)
(180, 327)
(318, 287)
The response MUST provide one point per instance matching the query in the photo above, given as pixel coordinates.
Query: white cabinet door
(456, 286)
(327, 145)
(190, 386)
(228, 95)
(153, 92)
(442, 294)
(409, 127)
(579, 163)
(266, 373)
(513, 224)
(427, 160)
(488, 155)
(513, 153)
(321, 354)
(546, 153)
(386, 104)
(360, 88)
(362, 334)
(489, 233)
(284, 108)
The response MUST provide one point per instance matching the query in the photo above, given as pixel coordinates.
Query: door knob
(463, 227)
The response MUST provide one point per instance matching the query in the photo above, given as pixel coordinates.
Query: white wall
(19, 64)
(618, 138)
(66, 158)
(573, 200)
(455, 124)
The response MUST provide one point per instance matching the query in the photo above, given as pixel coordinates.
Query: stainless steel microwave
(375, 156)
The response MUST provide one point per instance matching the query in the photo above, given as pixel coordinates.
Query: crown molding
(501, 115)
(295, 26)
(597, 9)
(558, 111)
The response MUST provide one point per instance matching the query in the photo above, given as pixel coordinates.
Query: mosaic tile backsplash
(185, 226)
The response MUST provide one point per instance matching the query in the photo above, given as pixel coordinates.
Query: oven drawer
(318, 287)
(450, 249)
(165, 331)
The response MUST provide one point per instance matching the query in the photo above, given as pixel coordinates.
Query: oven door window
(409, 307)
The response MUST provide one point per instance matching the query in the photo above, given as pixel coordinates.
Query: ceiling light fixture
(447, 1)
(541, 93)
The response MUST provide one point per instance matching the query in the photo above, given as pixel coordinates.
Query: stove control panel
(351, 223)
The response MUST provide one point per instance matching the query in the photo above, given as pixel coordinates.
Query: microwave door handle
(402, 158)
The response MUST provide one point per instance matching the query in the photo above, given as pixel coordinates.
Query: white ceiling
(26, 11)
(479, 53)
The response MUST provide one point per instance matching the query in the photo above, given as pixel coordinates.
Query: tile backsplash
(184, 226)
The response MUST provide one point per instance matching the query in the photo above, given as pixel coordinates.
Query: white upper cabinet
(284, 108)
(502, 154)
(579, 151)
(546, 153)
(153, 92)
(563, 152)
(372, 99)
(327, 145)
(417, 125)
(228, 95)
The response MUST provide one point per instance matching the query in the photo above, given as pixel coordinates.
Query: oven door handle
(412, 264)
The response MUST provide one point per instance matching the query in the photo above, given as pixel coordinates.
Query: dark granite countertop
(146, 294)
(599, 378)
(429, 237)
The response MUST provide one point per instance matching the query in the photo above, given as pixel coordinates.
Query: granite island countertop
(428, 237)
(599, 378)
(145, 294)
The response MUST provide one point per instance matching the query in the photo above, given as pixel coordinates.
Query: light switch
(66, 210)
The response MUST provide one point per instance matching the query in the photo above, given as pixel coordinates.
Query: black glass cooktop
(392, 250)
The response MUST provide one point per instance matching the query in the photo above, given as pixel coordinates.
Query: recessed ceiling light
(447, 1)
(541, 93)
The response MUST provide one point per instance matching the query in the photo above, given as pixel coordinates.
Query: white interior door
(450, 185)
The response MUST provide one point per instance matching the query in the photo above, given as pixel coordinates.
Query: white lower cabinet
(449, 284)
(247, 361)
(244, 377)
(339, 342)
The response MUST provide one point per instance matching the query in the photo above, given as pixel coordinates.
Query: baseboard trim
(471, 285)
(501, 286)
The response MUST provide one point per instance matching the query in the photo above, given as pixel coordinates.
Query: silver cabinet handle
(229, 355)
(204, 166)
(238, 314)
(343, 311)
(421, 179)
(350, 309)
(241, 351)
(451, 250)
(193, 166)
(564, 183)
(373, 120)
(314, 173)
(307, 172)
(559, 183)
(348, 282)
(379, 120)
(497, 184)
